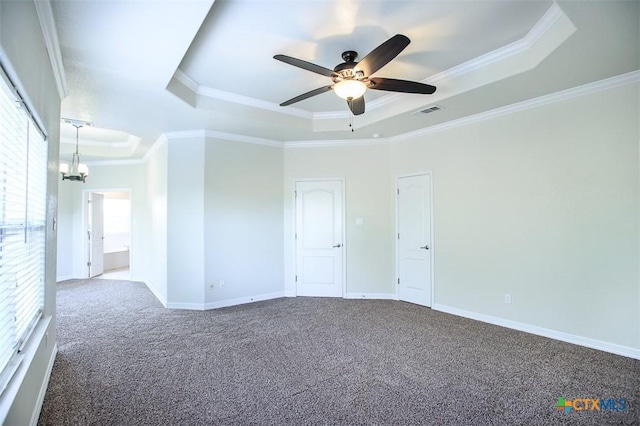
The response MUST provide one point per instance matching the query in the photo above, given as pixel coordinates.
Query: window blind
(23, 189)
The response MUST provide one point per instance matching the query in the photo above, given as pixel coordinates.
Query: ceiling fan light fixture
(350, 89)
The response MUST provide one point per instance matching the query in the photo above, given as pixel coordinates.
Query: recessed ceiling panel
(234, 49)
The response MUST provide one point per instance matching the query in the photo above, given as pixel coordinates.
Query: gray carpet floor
(123, 359)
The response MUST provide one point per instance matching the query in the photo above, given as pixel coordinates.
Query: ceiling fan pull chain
(351, 121)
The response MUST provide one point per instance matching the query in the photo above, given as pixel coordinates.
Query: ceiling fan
(351, 79)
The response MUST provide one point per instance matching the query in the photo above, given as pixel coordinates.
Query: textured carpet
(125, 360)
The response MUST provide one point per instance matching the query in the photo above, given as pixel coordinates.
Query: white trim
(520, 46)
(210, 92)
(37, 342)
(186, 80)
(372, 296)
(132, 142)
(113, 163)
(224, 303)
(332, 115)
(185, 306)
(544, 332)
(242, 138)
(214, 134)
(243, 300)
(252, 102)
(43, 387)
(185, 134)
(161, 299)
(156, 145)
(585, 89)
(544, 24)
(336, 142)
(50, 34)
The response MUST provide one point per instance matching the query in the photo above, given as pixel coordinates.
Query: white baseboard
(544, 332)
(43, 387)
(224, 303)
(186, 306)
(379, 296)
(64, 278)
(243, 300)
(157, 295)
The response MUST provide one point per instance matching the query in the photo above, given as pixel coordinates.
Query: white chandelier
(78, 172)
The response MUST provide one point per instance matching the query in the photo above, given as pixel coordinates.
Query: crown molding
(50, 33)
(544, 24)
(516, 48)
(332, 115)
(186, 80)
(184, 134)
(242, 138)
(132, 142)
(335, 143)
(214, 134)
(162, 139)
(249, 101)
(222, 95)
(585, 89)
(537, 32)
(115, 162)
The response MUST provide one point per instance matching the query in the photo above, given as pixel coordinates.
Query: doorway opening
(109, 234)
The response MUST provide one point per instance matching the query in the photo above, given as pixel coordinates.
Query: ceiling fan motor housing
(347, 69)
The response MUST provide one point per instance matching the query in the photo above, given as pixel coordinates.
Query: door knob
(337, 246)
(425, 248)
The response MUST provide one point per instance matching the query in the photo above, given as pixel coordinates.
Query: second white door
(414, 239)
(319, 238)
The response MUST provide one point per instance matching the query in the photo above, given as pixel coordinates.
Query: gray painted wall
(24, 56)
(542, 204)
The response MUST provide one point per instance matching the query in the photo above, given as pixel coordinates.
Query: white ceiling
(138, 69)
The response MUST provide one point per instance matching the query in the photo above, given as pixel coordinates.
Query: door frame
(85, 226)
(344, 230)
(397, 244)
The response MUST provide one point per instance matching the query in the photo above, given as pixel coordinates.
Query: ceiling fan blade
(383, 54)
(356, 105)
(393, 85)
(307, 95)
(306, 65)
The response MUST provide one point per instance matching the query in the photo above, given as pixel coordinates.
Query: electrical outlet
(221, 283)
(507, 298)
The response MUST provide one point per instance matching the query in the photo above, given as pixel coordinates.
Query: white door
(319, 238)
(95, 234)
(414, 239)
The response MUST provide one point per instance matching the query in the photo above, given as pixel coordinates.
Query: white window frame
(23, 196)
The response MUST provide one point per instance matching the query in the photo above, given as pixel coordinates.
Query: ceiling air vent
(432, 108)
